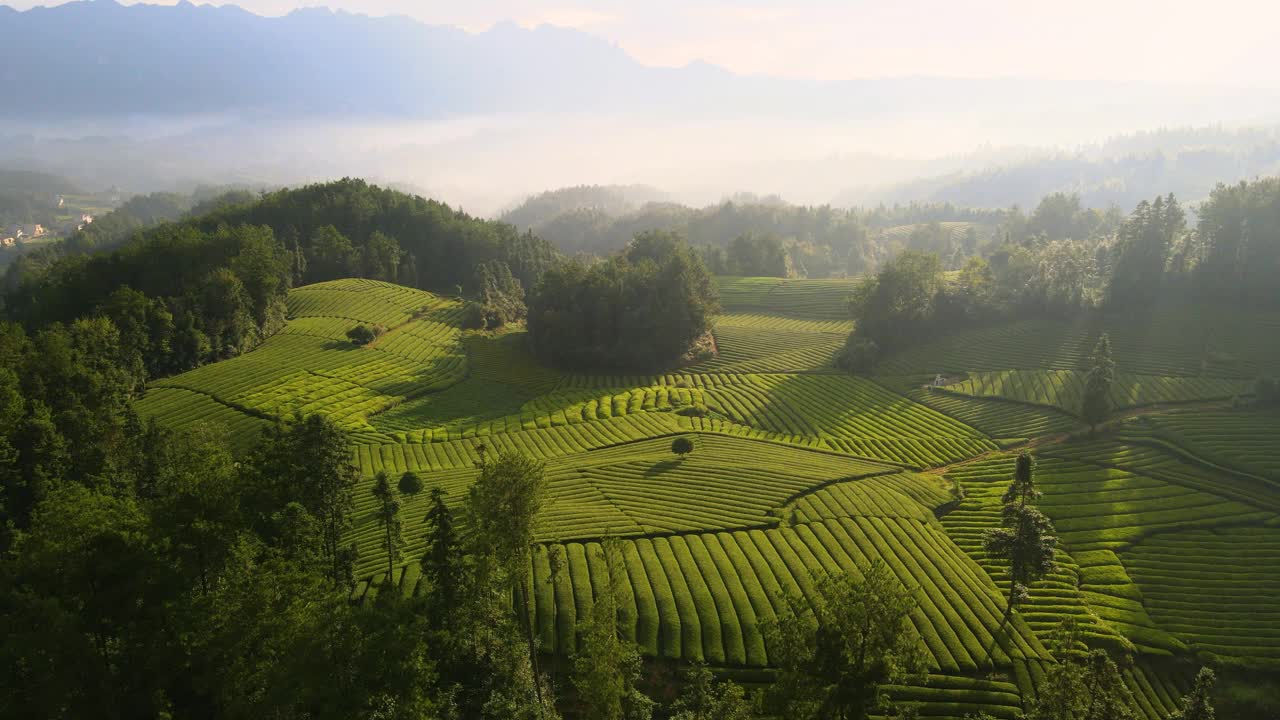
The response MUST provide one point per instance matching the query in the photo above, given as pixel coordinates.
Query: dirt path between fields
(1100, 432)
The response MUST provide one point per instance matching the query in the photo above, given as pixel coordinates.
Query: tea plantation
(1168, 518)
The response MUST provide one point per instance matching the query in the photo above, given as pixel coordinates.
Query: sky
(1227, 42)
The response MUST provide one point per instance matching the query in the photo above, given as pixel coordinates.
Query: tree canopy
(643, 309)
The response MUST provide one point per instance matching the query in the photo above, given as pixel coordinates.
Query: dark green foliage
(222, 290)
(1236, 254)
(64, 414)
(1198, 704)
(1025, 539)
(442, 563)
(147, 330)
(1081, 685)
(606, 666)
(702, 698)
(159, 597)
(331, 256)
(859, 354)
(682, 445)
(641, 310)
(443, 245)
(499, 297)
(503, 506)
(893, 308)
(1144, 244)
(833, 658)
(1023, 488)
(308, 461)
(758, 256)
(222, 276)
(380, 257)
(388, 514)
(138, 212)
(410, 484)
(361, 335)
(1097, 385)
(502, 509)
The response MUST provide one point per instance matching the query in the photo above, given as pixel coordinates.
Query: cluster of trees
(643, 309)
(751, 255)
(497, 297)
(1232, 254)
(1235, 250)
(179, 297)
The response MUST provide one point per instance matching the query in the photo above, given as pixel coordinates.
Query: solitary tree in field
(388, 513)
(1097, 386)
(834, 657)
(682, 446)
(1025, 541)
(361, 335)
(410, 484)
(1197, 704)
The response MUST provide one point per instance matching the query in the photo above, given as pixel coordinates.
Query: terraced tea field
(1169, 521)
(821, 299)
(1064, 389)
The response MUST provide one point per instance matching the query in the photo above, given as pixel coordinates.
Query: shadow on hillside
(661, 467)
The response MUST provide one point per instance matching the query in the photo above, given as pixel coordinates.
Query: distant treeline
(802, 241)
(1231, 255)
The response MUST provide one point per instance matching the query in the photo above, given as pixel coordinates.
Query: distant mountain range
(149, 97)
(100, 58)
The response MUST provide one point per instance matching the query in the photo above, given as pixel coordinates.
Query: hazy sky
(1175, 41)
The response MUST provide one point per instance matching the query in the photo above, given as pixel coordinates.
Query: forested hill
(1125, 170)
(213, 286)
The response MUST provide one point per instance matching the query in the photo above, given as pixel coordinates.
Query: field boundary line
(260, 414)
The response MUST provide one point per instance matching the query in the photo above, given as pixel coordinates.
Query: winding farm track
(1098, 433)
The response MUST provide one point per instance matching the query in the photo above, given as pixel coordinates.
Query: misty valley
(523, 361)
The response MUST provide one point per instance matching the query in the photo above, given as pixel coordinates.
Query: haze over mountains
(147, 97)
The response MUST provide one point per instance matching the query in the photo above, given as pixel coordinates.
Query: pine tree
(1097, 386)
(1026, 539)
(442, 563)
(388, 513)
